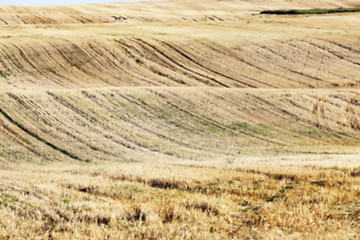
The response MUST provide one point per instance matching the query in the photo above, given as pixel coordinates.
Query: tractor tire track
(182, 66)
(37, 137)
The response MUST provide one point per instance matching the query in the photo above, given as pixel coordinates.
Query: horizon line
(68, 2)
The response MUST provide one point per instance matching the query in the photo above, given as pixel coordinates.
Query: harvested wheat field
(180, 120)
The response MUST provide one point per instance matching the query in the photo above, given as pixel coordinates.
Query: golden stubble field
(181, 120)
(276, 199)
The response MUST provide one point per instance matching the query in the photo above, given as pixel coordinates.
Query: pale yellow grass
(170, 10)
(164, 200)
(255, 51)
(132, 124)
(186, 120)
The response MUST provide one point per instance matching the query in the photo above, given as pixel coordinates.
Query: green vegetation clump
(51, 70)
(310, 11)
(3, 74)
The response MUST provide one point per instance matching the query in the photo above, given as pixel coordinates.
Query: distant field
(180, 120)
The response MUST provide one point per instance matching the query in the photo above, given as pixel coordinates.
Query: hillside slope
(169, 88)
(180, 120)
(132, 61)
(176, 123)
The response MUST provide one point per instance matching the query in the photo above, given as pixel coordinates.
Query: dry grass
(133, 124)
(298, 52)
(186, 120)
(163, 11)
(170, 201)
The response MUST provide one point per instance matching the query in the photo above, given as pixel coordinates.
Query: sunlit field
(180, 120)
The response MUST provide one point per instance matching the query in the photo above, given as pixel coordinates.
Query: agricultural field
(180, 120)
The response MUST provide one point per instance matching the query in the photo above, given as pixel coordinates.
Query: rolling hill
(179, 119)
(179, 69)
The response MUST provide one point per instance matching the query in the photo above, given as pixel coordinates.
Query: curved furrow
(150, 123)
(71, 55)
(65, 63)
(38, 124)
(259, 63)
(244, 112)
(186, 126)
(350, 50)
(10, 58)
(192, 77)
(246, 66)
(212, 122)
(112, 61)
(35, 67)
(118, 71)
(194, 131)
(178, 63)
(299, 80)
(327, 111)
(37, 137)
(219, 63)
(254, 112)
(54, 67)
(199, 65)
(45, 115)
(122, 70)
(224, 60)
(43, 53)
(346, 71)
(77, 61)
(322, 110)
(285, 111)
(30, 69)
(147, 69)
(16, 141)
(144, 70)
(166, 67)
(118, 123)
(62, 52)
(185, 66)
(59, 130)
(161, 114)
(97, 127)
(292, 74)
(314, 62)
